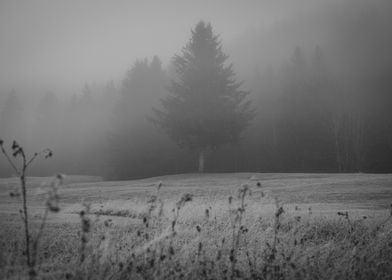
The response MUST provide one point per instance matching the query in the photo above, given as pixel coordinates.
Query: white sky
(60, 45)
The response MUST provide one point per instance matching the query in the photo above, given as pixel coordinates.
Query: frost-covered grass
(212, 226)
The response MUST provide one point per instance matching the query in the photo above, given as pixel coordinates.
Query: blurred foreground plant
(21, 169)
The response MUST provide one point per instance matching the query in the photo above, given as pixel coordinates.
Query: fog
(82, 78)
(63, 44)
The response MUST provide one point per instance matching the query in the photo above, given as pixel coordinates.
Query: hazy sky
(60, 45)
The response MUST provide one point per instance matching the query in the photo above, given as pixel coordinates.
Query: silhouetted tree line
(310, 116)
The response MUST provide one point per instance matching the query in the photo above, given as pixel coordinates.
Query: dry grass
(129, 230)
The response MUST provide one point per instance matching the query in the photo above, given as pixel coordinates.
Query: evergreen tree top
(206, 107)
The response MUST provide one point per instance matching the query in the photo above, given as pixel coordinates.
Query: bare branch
(48, 153)
(9, 159)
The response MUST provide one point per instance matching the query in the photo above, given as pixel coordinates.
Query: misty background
(82, 77)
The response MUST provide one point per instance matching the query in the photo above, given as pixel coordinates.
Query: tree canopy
(206, 107)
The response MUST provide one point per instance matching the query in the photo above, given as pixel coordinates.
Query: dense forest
(322, 102)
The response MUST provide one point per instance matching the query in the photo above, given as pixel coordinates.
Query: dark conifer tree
(135, 145)
(206, 108)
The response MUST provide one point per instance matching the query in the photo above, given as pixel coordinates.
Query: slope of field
(322, 192)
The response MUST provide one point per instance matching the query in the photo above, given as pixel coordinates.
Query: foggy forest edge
(311, 115)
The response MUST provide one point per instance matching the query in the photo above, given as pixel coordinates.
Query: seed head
(15, 145)
(14, 194)
(207, 213)
(86, 225)
(279, 212)
(171, 250)
(187, 197)
(53, 207)
(48, 154)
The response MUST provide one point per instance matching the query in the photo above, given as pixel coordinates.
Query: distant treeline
(324, 107)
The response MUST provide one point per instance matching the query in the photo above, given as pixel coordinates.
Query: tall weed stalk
(21, 171)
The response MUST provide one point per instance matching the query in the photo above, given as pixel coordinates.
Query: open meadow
(203, 226)
(192, 96)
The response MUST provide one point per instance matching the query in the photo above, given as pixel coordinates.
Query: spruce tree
(206, 108)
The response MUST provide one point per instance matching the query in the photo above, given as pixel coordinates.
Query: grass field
(205, 226)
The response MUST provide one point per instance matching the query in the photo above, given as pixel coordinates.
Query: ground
(207, 211)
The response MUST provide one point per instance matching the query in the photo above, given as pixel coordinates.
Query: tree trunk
(201, 161)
